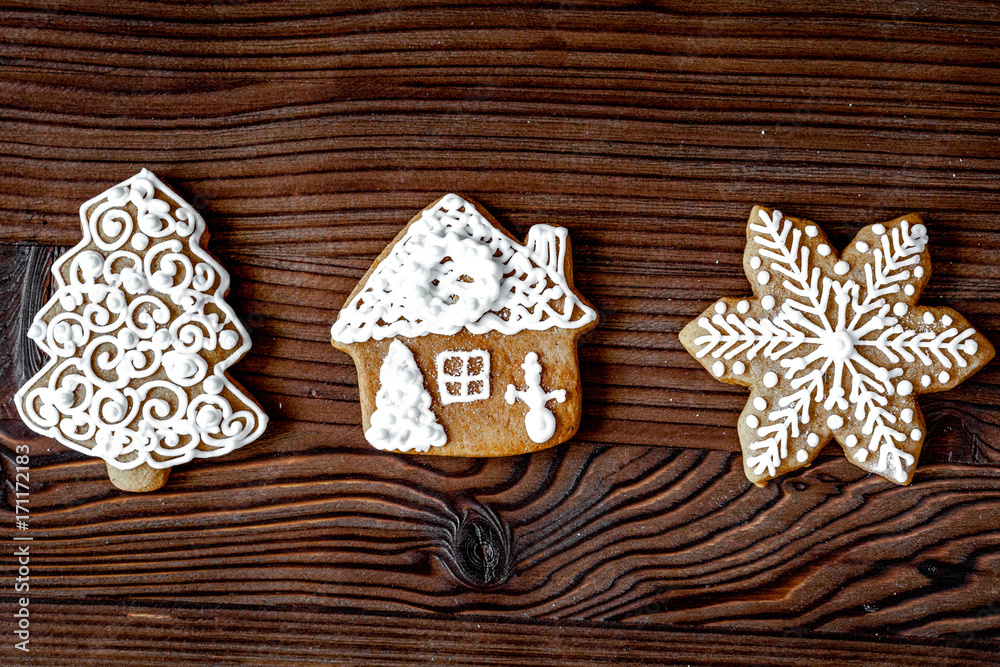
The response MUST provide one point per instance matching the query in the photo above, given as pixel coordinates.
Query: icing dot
(861, 246)
(928, 318)
(904, 388)
(899, 309)
(925, 380)
(908, 290)
(208, 417)
(739, 368)
(811, 231)
(763, 277)
(861, 454)
(906, 415)
(918, 230)
(915, 434)
(878, 228)
(720, 308)
(823, 249)
(767, 302)
(945, 320)
(918, 272)
(970, 346)
(841, 267)
(851, 441)
(812, 440)
(770, 379)
(91, 262)
(228, 339)
(752, 421)
(719, 369)
(213, 384)
(835, 421)
(743, 306)
(140, 241)
(64, 399)
(944, 377)
(801, 456)
(128, 339)
(37, 330)
(760, 404)
(755, 262)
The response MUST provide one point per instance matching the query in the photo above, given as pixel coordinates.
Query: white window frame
(464, 379)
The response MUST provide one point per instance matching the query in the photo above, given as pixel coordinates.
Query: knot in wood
(482, 549)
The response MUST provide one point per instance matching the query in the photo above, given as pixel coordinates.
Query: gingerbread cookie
(465, 339)
(834, 346)
(139, 338)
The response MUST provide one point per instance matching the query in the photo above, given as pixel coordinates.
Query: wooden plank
(577, 533)
(142, 634)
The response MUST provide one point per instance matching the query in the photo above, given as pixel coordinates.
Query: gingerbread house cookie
(139, 337)
(465, 339)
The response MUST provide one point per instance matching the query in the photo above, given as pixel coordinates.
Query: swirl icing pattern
(139, 337)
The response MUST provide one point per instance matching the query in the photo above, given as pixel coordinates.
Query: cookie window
(463, 377)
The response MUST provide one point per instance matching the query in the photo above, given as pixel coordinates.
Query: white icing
(739, 368)
(928, 317)
(943, 377)
(472, 380)
(752, 421)
(925, 380)
(861, 246)
(879, 228)
(851, 440)
(755, 262)
(824, 249)
(861, 455)
(812, 231)
(539, 421)
(841, 268)
(719, 369)
(946, 321)
(403, 420)
(720, 307)
(812, 440)
(906, 415)
(918, 272)
(763, 277)
(915, 434)
(139, 298)
(760, 403)
(454, 269)
(838, 343)
(801, 456)
(743, 306)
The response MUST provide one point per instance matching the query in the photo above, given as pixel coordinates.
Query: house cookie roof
(454, 269)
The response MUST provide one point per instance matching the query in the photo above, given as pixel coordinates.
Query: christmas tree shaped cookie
(139, 338)
(834, 347)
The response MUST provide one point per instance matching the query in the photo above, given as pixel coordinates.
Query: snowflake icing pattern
(839, 336)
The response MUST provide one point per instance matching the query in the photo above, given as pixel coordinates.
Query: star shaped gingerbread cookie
(834, 346)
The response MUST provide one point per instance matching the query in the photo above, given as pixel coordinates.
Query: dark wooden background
(308, 134)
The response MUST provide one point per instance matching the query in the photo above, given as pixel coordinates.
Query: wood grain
(309, 133)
